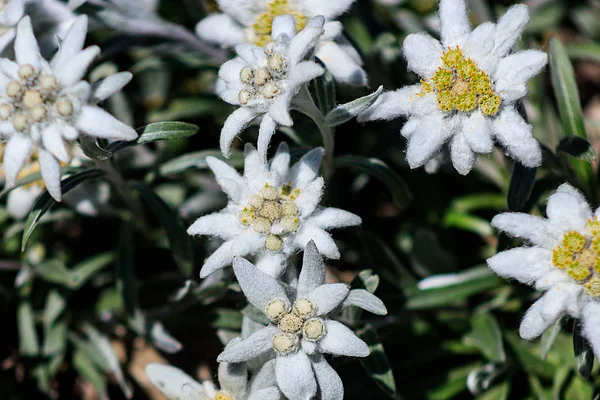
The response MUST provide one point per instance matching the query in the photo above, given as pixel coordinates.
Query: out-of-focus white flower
(563, 260)
(300, 331)
(468, 91)
(264, 80)
(250, 21)
(11, 12)
(43, 104)
(233, 379)
(273, 211)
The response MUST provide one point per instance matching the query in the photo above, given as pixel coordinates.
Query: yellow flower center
(222, 396)
(460, 86)
(578, 255)
(269, 207)
(260, 31)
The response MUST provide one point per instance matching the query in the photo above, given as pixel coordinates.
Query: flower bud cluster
(264, 82)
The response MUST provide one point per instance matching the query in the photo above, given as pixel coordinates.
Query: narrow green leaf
(198, 160)
(376, 363)
(85, 270)
(179, 240)
(582, 350)
(53, 271)
(549, 337)
(521, 185)
(55, 305)
(36, 177)
(169, 130)
(88, 371)
(584, 51)
(380, 170)
(486, 335)
(126, 284)
(29, 345)
(45, 201)
(498, 392)
(227, 319)
(528, 356)
(577, 147)
(90, 148)
(346, 112)
(324, 90)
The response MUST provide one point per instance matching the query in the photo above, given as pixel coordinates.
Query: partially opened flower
(233, 379)
(262, 81)
(301, 330)
(243, 21)
(43, 104)
(470, 84)
(562, 258)
(273, 211)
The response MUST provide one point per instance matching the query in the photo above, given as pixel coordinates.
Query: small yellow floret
(562, 258)
(443, 79)
(574, 241)
(592, 287)
(466, 102)
(452, 57)
(489, 103)
(446, 100)
(579, 272)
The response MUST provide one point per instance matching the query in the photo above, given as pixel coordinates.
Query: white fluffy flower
(11, 12)
(470, 85)
(273, 211)
(264, 80)
(233, 379)
(43, 104)
(300, 330)
(563, 259)
(250, 21)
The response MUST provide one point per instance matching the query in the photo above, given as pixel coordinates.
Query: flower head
(300, 330)
(243, 21)
(562, 259)
(469, 86)
(264, 80)
(43, 104)
(273, 211)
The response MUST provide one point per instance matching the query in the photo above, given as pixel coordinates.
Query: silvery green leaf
(174, 383)
(86, 368)
(346, 112)
(89, 146)
(198, 160)
(365, 300)
(163, 339)
(376, 363)
(548, 338)
(323, 90)
(486, 335)
(28, 339)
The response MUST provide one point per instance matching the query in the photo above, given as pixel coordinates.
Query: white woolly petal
(283, 25)
(20, 200)
(310, 197)
(280, 110)
(96, 122)
(50, 169)
(111, 84)
(6, 38)
(280, 164)
(477, 133)
(272, 264)
(53, 142)
(220, 29)
(27, 50)
(340, 340)
(295, 376)
(525, 264)
(264, 377)
(230, 96)
(260, 289)
(235, 123)
(72, 43)
(328, 9)
(463, 158)
(519, 68)
(74, 70)
(424, 143)
(306, 170)
(391, 105)
(220, 224)
(17, 152)
(331, 218)
(304, 72)
(322, 239)
(9, 68)
(171, 381)
(256, 171)
(516, 137)
(270, 393)
(455, 25)
(251, 54)
(330, 384)
(241, 246)
(309, 347)
(365, 300)
(312, 274)
(568, 209)
(410, 127)
(480, 43)
(533, 324)
(327, 298)
(227, 177)
(555, 301)
(422, 52)
(591, 322)
(341, 63)
(305, 41)
(538, 231)
(509, 28)
(233, 378)
(230, 71)
(13, 11)
(266, 131)
(552, 278)
(256, 344)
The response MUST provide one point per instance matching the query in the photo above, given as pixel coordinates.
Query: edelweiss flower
(273, 211)
(43, 104)
(11, 12)
(264, 80)
(563, 260)
(468, 91)
(250, 21)
(233, 378)
(300, 331)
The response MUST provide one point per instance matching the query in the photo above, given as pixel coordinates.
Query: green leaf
(380, 170)
(582, 350)
(579, 389)
(527, 354)
(366, 280)
(521, 185)
(169, 130)
(577, 147)
(376, 363)
(198, 160)
(179, 240)
(188, 108)
(85, 270)
(126, 284)
(53, 271)
(549, 337)
(86, 368)
(36, 177)
(324, 90)
(45, 201)
(498, 392)
(486, 335)
(90, 148)
(346, 112)
(28, 339)
(584, 51)
(227, 319)
(55, 305)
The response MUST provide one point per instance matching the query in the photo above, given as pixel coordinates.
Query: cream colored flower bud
(303, 307)
(275, 310)
(269, 48)
(48, 83)
(26, 71)
(290, 224)
(290, 323)
(273, 243)
(6, 111)
(270, 90)
(261, 225)
(247, 215)
(32, 98)
(20, 122)
(270, 210)
(262, 76)
(38, 113)
(284, 342)
(289, 208)
(256, 201)
(244, 97)
(14, 89)
(65, 107)
(246, 75)
(313, 329)
(276, 62)
(269, 192)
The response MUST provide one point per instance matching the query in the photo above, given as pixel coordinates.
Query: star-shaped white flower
(300, 331)
(469, 88)
(262, 81)
(562, 259)
(244, 21)
(273, 211)
(233, 379)
(43, 104)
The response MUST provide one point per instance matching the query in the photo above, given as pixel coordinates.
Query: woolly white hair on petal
(426, 141)
(271, 264)
(170, 380)
(322, 239)
(72, 42)
(480, 43)
(568, 209)
(391, 105)
(269, 393)
(73, 71)
(525, 264)
(220, 224)
(477, 133)
(533, 325)
(279, 110)
(591, 322)
(463, 158)
(509, 28)
(517, 137)
(422, 52)
(256, 344)
(455, 25)
(329, 9)
(305, 41)
(330, 383)
(312, 274)
(340, 340)
(535, 229)
(259, 288)
(241, 246)
(327, 298)
(556, 299)
(265, 132)
(519, 68)
(367, 301)
(283, 25)
(235, 123)
(227, 177)
(96, 122)
(27, 50)
(305, 71)
(53, 142)
(17, 152)
(410, 127)
(306, 170)
(280, 164)
(295, 376)
(233, 378)
(331, 218)
(310, 197)
(341, 63)
(220, 29)
(110, 85)
(50, 169)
